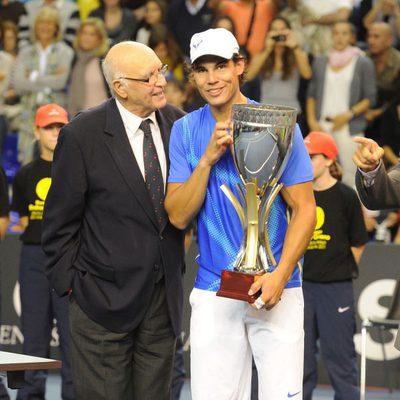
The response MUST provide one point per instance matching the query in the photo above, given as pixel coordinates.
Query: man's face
(48, 136)
(379, 40)
(142, 98)
(218, 81)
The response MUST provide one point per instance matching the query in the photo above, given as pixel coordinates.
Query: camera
(279, 38)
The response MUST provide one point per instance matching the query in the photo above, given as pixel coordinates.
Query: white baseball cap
(214, 42)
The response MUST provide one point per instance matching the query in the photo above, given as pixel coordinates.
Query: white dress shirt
(135, 137)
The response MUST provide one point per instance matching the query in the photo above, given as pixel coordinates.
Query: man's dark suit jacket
(384, 193)
(100, 232)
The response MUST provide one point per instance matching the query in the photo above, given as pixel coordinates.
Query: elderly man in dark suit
(377, 188)
(108, 241)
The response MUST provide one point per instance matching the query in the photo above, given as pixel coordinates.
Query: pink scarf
(339, 59)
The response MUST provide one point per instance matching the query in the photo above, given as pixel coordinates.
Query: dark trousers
(329, 316)
(39, 306)
(179, 371)
(134, 365)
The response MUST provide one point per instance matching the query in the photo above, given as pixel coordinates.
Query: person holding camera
(281, 63)
(340, 92)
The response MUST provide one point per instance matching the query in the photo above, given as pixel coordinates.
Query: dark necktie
(152, 173)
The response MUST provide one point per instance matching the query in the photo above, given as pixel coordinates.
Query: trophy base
(235, 285)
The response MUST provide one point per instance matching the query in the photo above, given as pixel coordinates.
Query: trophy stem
(250, 261)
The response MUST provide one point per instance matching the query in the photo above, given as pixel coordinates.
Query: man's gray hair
(110, 73)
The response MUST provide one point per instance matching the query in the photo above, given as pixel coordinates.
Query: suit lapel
(118, 144)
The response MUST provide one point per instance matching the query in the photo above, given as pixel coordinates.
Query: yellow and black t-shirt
(340, 226)
(30, 187)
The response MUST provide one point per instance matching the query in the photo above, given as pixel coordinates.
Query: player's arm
(300, 198)
(184, 200)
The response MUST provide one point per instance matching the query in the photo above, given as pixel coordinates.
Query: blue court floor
(322, 393)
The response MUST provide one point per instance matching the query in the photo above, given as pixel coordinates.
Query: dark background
(379, 270)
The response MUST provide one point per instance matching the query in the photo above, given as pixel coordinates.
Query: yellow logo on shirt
(42, 189)
(319, 240)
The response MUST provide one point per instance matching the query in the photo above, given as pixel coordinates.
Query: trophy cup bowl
(262, 143)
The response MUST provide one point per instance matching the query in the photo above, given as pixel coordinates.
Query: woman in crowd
(341, 90)
(9, 38)
(168, 51)
(119, 21)
(87, 87)
(282, 63)
(154, 16)
(41, 74)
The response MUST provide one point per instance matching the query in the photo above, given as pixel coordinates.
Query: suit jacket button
(156, 267)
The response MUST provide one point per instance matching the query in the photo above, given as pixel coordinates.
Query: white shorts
(224, 333)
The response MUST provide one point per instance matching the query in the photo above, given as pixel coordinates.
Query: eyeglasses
(152, 79)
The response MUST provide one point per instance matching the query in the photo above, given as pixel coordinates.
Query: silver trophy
(262, 143)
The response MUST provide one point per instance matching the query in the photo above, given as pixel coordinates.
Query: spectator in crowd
(9, 38)
(341, 90)
(39, 302)
(390, 133)
(6, 67)
(87, 86)
(41, 74)
(68, 24)
(387, 67)
(4, 220)
(119, 21)
(176, 94)
(251, 19)
(168, 51)
(332, 257)
(155, 13)
(11, 103)
(185, 18)
(318, 20)
(383, 11)
(294, 12)
(281, 63)
(11, 10)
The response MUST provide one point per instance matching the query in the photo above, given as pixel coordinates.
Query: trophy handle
(265, 235)
(252, 225)
(235, 202)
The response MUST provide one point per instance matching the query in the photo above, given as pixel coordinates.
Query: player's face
(48, 136)
(218, 82)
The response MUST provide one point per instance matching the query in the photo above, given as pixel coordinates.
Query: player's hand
(220, 140)
(368, 154)
(271, 285)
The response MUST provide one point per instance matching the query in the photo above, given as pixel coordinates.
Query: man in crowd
(387, 66)
(108, 240)
(377, 188)
(225, 332)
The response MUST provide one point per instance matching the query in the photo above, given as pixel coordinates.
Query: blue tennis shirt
(219, 229)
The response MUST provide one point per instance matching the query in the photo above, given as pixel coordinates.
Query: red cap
(50, 114)
(321, 143)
